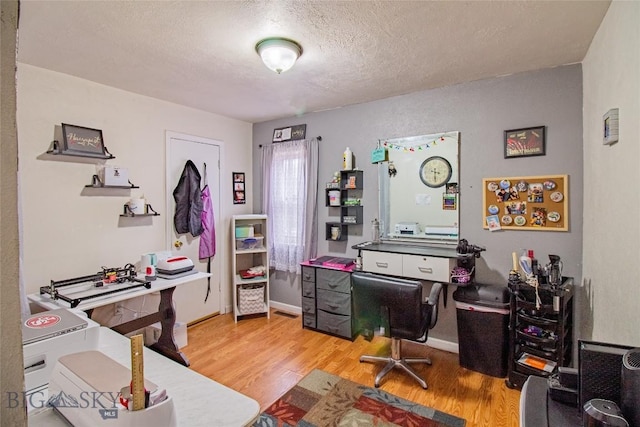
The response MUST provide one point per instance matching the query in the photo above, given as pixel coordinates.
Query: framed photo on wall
(524, 142)
(239, 190)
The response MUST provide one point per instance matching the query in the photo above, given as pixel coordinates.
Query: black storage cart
(482, 313)
(540, 335)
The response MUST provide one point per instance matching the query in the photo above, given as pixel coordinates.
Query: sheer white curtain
(289, 198)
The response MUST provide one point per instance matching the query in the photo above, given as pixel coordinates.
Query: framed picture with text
(524, 142)
(290, 133)
(82, 141)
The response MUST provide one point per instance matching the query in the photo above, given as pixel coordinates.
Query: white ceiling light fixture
(278, 54)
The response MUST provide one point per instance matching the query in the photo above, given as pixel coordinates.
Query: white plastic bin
(255, 242)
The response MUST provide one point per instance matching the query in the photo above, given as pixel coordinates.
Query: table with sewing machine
(137, 286)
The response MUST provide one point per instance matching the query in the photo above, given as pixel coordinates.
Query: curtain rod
(319, 138)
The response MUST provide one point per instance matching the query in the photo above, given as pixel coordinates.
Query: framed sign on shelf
(82, 141)
(539, 203)
(239, 190)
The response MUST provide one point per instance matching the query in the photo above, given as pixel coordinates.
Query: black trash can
(482, 312)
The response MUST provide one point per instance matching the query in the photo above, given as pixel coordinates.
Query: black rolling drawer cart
(326, 301)
(545, 333)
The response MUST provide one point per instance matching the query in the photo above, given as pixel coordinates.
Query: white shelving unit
(249, 246)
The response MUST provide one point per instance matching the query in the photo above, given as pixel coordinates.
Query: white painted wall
(611, 79)
(70, 233)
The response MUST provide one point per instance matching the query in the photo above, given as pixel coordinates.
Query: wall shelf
(56, 150)
(351, 213)
(96, 183)
(149, 211)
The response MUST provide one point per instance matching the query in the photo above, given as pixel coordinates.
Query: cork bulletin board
(539, 203)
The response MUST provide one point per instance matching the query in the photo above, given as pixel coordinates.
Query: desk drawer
(382, 262)
(308, 274)
(309, 320)
(333, 280)
(334, 302)
(334, 323)
(427, 268)
(308, 306)
(308, 289)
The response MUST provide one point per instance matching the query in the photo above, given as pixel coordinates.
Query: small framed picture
(524, 142)
(449, 202)
(239, 191)
(290, 133)
(82, 141)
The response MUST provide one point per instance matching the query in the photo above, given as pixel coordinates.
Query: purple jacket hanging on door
(207, 247)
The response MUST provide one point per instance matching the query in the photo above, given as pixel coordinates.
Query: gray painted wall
(481, 111)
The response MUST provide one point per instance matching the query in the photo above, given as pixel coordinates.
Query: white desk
(165, 315)
(198, 400)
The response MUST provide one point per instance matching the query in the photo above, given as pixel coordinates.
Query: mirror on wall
(419, 189)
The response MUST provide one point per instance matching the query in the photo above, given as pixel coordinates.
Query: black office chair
(397, 305)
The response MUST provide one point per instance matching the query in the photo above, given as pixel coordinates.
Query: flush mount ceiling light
(278, 54)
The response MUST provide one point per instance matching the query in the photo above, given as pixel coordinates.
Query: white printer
(407, 228)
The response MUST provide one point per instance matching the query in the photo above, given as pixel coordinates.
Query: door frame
(219, 211)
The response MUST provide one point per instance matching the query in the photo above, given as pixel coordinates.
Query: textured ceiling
(202, 53)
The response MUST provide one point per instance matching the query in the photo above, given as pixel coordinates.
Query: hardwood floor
(262, 358)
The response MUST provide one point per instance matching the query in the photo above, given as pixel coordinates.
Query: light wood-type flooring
(262, 358)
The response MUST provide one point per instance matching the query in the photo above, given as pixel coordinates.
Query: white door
(190, 298)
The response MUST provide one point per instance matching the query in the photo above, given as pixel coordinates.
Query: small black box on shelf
(568, 377)
(561, 392)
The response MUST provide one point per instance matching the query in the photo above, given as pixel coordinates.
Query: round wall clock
(435, 171)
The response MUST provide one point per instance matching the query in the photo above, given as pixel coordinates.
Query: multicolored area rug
(321, 399)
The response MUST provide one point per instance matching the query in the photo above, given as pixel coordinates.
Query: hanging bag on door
(187, 195)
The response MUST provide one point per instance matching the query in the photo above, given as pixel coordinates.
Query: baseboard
(439, 344)
(285, 307)
(451, 347)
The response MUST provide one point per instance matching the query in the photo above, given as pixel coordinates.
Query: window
(289, 200)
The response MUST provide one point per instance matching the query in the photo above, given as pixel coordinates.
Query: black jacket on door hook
(188, 198)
